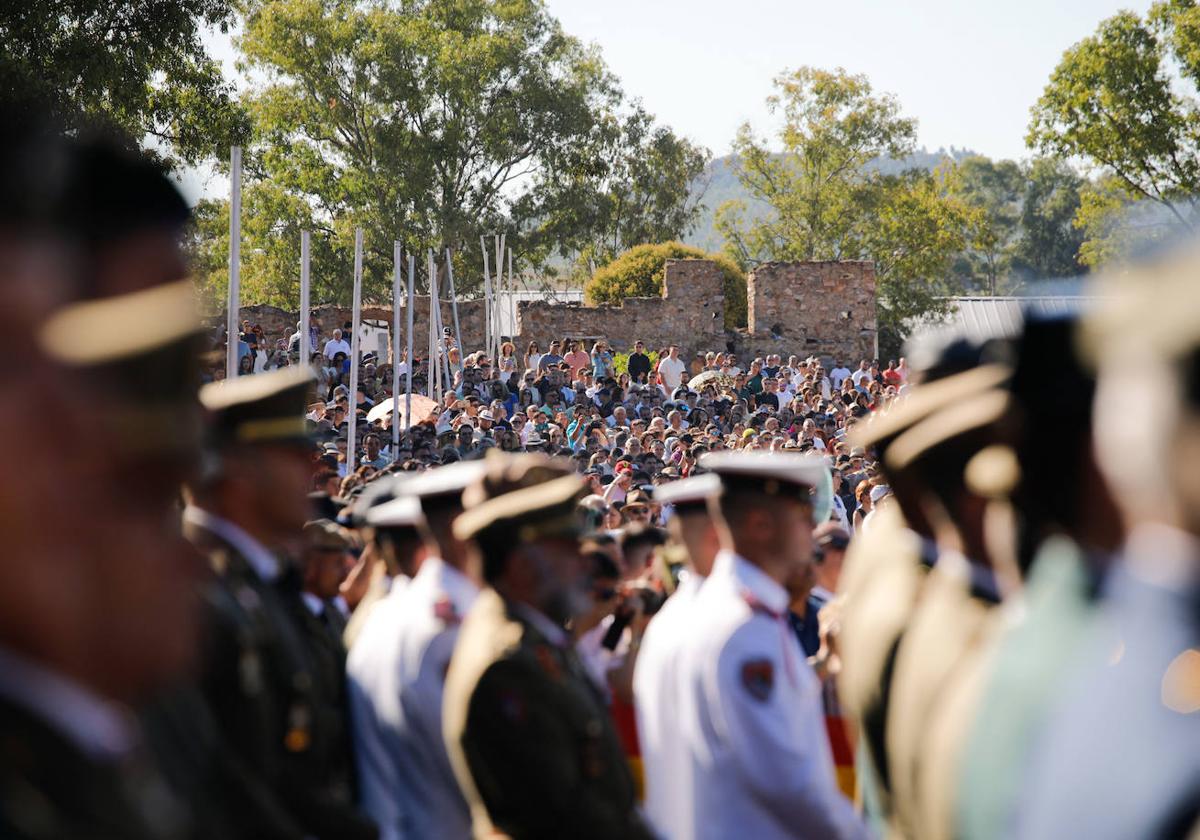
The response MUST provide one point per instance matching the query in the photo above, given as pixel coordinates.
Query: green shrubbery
(639, 273)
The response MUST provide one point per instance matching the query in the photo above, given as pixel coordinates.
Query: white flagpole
(497, 290)
(441, 324)
(454, 308)
(306, 349)
(235, 261)
(487, 297)
(512, 299)
(503, 289)
(412, 273)
(352, 430)
(435, 365)
(397, 257)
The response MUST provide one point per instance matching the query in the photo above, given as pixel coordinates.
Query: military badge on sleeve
(758, 676)
(444, 611)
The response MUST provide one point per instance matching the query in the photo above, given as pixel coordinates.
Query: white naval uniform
(663, 742)
(396, 689)
(750, 706)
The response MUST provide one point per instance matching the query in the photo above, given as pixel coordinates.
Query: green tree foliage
(1125, 101)
(433, 122)
(1021, 226)
(640, 271)
(138, 66)
(827, 204)
(993, 189)
(1048, 241)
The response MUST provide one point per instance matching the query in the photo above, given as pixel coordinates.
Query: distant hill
(723, 185)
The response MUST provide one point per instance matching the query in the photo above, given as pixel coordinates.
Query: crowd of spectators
(627, 421)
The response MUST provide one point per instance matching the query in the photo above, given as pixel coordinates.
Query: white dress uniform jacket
(760, 760)
(396, 687)
(665, 755)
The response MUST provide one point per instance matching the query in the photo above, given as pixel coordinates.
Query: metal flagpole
(235, 261)
(442, 345)
(497, 288)
(397, 257)
(512, 298)
(500, 300)
(352, 429)
(412, 272)
(306, 350)
(487, 296)
(454, 308)
(435, 365)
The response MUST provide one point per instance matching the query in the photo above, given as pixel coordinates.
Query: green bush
(639, 272)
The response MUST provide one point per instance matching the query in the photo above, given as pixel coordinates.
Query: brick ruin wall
(690, 313)
(826, 309)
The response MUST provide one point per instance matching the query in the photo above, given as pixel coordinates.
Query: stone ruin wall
(825, 309)
(690, 313)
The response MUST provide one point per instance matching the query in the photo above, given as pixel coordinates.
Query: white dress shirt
(666, 760)
(750, 706)
(396, 674)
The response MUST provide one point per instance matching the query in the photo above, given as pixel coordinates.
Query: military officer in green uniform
(528, 735)
(261, 678)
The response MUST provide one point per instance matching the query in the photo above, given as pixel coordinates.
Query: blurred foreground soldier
(398, 530)
(106, 616)
(656, 687)
(527, 731)
(884, 573)
(382, 572)
(1120, 755)
(260, 677)
(949, 622)
(1069, 528)
(399, 678)
(760, 758)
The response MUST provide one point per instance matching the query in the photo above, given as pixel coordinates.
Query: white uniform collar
(554, 634)
(265, 564)
(315, 605)
(754, 580)
(98, 727)
(459, 588)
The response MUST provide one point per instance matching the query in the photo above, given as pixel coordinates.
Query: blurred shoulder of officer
(399, 678)
(886, 567)
(248, 508)
(1120, 755)
(527, 732)
(947, 627)
(761, 760)
(655, 681)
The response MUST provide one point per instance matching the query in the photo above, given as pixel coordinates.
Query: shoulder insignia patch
(443, 610)
(758, 676)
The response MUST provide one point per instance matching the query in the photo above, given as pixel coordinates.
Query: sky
(967, 70)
